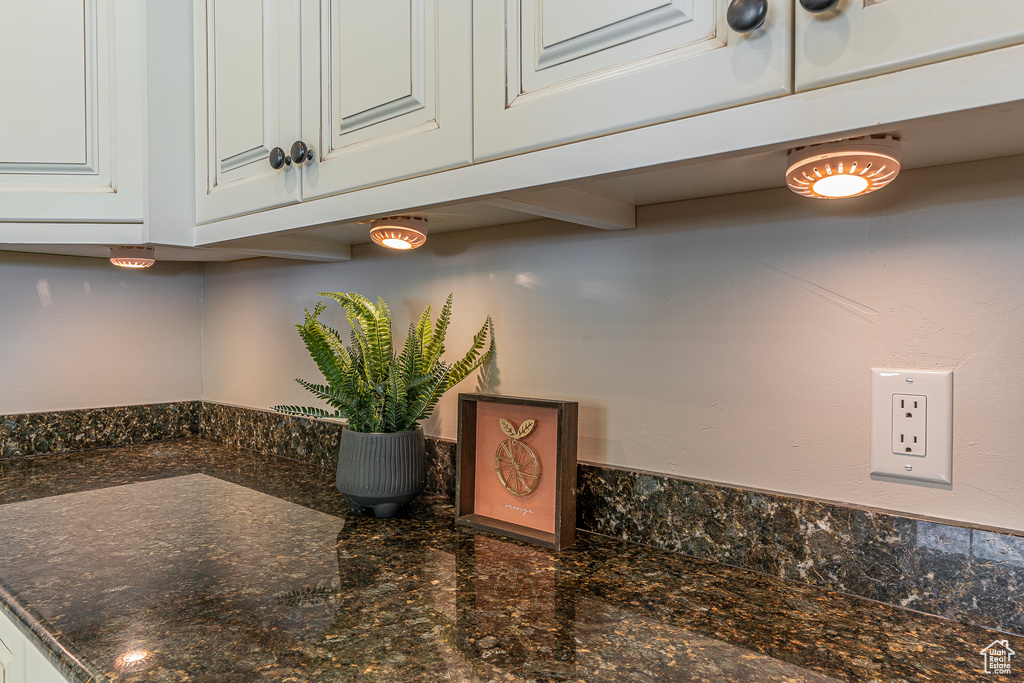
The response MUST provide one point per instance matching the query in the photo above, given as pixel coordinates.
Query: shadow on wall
(593, 434)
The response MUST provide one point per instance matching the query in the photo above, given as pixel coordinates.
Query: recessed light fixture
(132, 257)
(399, 232)
(834, 170)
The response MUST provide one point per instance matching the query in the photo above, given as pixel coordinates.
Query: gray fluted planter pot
(381, 471)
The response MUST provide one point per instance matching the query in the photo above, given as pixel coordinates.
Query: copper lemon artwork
(516, 464)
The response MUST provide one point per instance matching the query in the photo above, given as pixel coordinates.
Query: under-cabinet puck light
(132, 257)
(847, 168)
(399, 232)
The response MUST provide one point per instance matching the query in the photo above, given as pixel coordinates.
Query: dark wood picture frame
(467, 459)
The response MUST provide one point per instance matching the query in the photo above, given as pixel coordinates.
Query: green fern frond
(435, 349)
(473, 360)
(331, 366)
(305, 412)
(430, 392)
(424, 333)
(337, 398)
(367, 383)
(374, 323)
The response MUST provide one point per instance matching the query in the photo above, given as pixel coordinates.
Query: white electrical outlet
(909, 424)
(912, 424)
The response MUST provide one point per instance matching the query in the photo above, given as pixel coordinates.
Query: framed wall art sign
(516, 468)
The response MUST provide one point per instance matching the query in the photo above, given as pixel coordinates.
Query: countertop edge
(67, 664)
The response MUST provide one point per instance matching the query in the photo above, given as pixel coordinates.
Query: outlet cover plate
(936, 465)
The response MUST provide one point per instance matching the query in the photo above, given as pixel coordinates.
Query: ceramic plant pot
(381, 471)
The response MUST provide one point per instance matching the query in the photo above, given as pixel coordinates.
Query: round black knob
(745, 16)
(301, 153)
(818, 5)
(278, 159)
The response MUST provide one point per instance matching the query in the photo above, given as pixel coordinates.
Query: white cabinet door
(386, 88)
(6, 657)
(20, 660)
(247, 103)
(547, 72)
(12, 651)
(72, 127)
(860, 38)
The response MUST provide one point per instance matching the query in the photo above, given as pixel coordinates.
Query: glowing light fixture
(137, 660)
(132, 257)
(399, 232)
(847, 168)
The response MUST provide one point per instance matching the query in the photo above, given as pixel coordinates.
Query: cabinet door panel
(548, 72)
(861, 38)
(567, 20)
(61, 158)
(387, 91)
(247, 91)
(52, 129)
(385, 31)
(571, 46)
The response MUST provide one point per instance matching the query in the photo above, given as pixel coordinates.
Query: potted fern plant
(383, 395)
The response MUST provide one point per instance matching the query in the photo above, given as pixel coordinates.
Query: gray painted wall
(81, 333)
(726, 339)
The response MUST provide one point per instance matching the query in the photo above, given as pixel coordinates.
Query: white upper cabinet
(247, 103)
(548, 72)
(379, 91)
(399, 99)
(72, 117)
(861, 38)
(386, 91)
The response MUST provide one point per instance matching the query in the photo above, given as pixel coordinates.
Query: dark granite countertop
(226, 565)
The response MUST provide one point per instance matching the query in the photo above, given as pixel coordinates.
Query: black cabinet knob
(278, 159)
(745, 16)
(818, 5)
(301, 153)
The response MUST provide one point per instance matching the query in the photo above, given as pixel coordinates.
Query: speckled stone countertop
(230, 566)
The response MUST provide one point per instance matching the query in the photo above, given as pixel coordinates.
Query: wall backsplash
(31, 434)
(970, 574)
(973, 575)
(312, 441)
